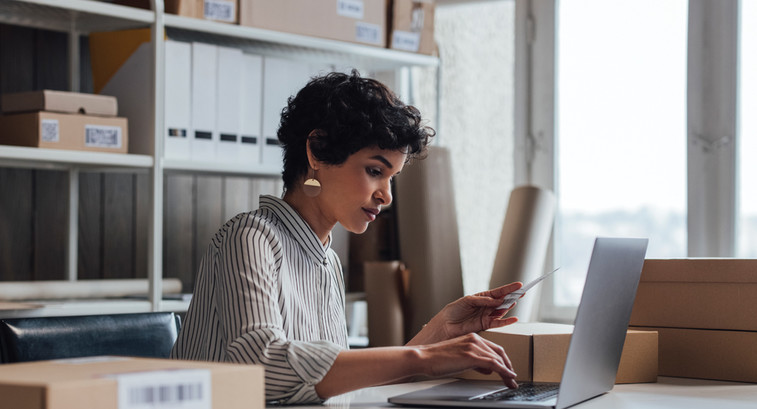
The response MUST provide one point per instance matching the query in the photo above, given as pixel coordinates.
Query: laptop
(595, 346)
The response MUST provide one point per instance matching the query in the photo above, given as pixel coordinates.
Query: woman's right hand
(469, 351)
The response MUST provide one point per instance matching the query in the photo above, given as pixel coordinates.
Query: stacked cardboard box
(538, 352)
(705, 311)
(63, 120)
(118, 382)
(412, 26)
(225, 11)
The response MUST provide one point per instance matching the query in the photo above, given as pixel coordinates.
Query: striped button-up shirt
(268, 292)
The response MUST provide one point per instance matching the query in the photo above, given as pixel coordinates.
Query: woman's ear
(312, 161)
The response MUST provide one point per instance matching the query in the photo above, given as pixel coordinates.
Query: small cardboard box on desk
(63, 120)
(109, 382)
(538, 351)
(705, 311)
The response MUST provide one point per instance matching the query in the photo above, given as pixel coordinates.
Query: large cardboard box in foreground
(65, 131)
(697, 293)
(707, 354)
(116, 382)
(358, 21)
(538, 352)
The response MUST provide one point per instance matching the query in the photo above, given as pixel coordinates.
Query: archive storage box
(412, 26)
(60, 101)
(705, 311)
(56, 130)
(538, 352)
(119, 382)
(358, 21)
(226, 11)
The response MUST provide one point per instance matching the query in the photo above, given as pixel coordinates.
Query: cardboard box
(65, 131)
(412, 26)
(99, 383)
(226, 11)
(707, 354)
(60, 101)
(697, 293)
(359, 21)
(538, 352)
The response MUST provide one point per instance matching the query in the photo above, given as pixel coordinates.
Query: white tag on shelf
(174, 389)
(102, 136)
(220, 10)
(50, 130)
(350, 8)
(406, 40)
(367, 33)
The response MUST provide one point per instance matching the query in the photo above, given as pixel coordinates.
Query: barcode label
(50, 130)
(350, 8)
(102, 136)
(405, 40)
(174, 389)
(367, 33)
(221, 10)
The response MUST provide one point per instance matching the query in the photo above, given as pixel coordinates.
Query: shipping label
(50, 130)
(350, 8)
(220, 10)
(406, 41)
(368, 33)
(174, 389)
(103, 136)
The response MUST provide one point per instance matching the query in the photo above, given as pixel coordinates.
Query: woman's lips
(372, 213)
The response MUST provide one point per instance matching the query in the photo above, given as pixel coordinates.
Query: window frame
(712, 118)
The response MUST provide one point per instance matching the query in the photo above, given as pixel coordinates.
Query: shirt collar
(297, 227)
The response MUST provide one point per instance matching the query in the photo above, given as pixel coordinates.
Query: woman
(270, 289)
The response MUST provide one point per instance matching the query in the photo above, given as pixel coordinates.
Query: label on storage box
(175, 389)
(350, 8)
(103, 136)
(220, 10)
(368, 33)
(50, 130)
(405, 40)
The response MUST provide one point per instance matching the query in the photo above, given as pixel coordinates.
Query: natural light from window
(747, 226)
(621, 132)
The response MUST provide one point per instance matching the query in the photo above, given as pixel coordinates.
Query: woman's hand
(472, 313)
(467, 352)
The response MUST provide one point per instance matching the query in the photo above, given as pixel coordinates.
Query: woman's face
(354, 192)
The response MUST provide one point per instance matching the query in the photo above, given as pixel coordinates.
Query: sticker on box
(406, 40)
(220, 10)
(351, 8)
(175, 389)
(102, 136)
(50, 130)
(368, 33)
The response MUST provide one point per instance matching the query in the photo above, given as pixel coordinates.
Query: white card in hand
(515, 295)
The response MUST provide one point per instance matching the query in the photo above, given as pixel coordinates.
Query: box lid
(704, 270)
(60, 101)
(534, 328)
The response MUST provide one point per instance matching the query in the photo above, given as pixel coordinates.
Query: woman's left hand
(472, 313)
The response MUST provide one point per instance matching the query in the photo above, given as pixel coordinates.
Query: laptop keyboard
(526, 392)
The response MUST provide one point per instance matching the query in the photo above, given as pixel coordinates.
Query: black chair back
(33, 339)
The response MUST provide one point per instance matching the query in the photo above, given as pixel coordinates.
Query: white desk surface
(666, 393)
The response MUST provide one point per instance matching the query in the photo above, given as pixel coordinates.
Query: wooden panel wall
(114, 208)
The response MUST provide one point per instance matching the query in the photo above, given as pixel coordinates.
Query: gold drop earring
(312, 187)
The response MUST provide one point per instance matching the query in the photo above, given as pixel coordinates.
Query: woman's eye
(373, 172)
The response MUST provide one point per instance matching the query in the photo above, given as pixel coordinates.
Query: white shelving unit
(80, 17)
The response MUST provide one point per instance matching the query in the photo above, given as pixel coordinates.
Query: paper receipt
(515, 295)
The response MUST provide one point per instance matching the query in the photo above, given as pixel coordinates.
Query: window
(747, 223)
(621, 131)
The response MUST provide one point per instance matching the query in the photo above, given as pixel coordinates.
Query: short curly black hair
(347, 113)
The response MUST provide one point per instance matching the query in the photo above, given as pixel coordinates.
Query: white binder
(228, 104)
(204, 69)
(251, 109)
(177, 100)
(281, 79)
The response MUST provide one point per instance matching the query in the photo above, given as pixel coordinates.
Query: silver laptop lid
(602, 319)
